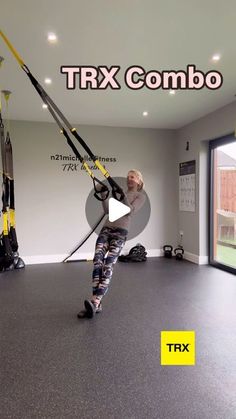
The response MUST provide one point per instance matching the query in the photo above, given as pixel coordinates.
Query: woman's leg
(101, 248)
(116, 244)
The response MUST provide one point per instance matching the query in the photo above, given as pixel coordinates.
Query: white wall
(195, 225)
(50, 203)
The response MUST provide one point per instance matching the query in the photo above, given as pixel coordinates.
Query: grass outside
(229, 241)
(226, 255)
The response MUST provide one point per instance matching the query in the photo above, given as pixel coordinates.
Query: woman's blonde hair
(140, 178)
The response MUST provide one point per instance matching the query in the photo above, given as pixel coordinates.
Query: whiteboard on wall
(187, 182)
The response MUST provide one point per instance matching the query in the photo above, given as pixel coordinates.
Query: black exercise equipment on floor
(9, 257)
(179, 253)
(136, 254)
(6, 252)
(167, 248)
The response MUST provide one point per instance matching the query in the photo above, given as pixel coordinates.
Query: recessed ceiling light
(145, 113)
(172, 92)
(44, 106)
(52, 37)
(216, 57)
(47, 80)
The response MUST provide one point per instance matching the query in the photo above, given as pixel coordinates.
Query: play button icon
(117, 210)
(94, 211)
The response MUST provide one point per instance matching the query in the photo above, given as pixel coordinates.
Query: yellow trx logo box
(178, 347)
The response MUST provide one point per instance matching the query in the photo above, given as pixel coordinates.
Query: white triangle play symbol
(117, 209)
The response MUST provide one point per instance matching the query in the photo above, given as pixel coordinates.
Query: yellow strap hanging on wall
(12, 218)
(6, 94)
(5, 223)
(1, 61)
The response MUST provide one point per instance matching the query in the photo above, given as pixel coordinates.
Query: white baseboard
(82, 256)
(191, 257)
(151, 253)
(199, 260)
(203, 260)
(38, 259)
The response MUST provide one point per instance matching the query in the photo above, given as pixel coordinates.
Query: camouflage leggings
(108, 247)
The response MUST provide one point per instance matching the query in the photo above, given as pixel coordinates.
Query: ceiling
(155, 34)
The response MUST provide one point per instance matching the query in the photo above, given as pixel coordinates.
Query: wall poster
(187, 179)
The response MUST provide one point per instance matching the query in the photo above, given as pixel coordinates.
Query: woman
(110, 243)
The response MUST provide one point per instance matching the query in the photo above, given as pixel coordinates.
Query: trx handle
(13, 239)
(102, 190)
(117, 191)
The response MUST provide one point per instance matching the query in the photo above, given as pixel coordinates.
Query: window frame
(213, 144)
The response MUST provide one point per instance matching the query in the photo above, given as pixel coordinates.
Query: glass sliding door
(223, 203)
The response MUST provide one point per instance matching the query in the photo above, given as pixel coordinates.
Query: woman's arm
(136, 204)
(105, 203)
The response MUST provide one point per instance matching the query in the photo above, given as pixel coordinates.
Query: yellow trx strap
(14, 52)
(5, 223)
(57, 114)
(12, 218)
(11, 212)
(1, 61)
(100, 167)
(87, 168)
(6, 94)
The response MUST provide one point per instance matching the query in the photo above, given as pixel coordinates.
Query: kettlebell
(179, 253)
(167, 251)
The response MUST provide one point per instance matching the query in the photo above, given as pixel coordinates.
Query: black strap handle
(117, 191)
(103, 189)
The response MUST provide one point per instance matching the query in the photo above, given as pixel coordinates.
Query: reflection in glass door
(223, 204)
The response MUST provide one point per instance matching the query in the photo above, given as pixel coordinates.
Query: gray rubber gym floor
(54, 365)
